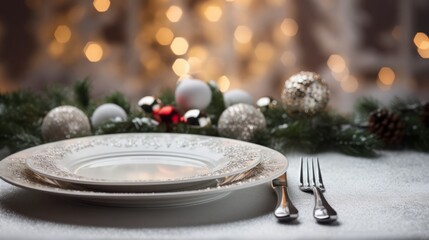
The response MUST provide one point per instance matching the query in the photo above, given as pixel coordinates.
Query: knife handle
(285, 210)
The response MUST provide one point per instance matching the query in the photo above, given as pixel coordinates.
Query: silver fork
(323, 212)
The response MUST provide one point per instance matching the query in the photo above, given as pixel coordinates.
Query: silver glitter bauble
(305, 93)
(65, 122)
(196, 118)
(241, 121)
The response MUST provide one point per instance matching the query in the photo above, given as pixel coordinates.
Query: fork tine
(308, 175)
(313, 173)
(301, 173)
(319, 173)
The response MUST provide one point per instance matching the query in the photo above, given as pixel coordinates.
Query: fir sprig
(22, 113)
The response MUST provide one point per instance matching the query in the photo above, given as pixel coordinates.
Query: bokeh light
(174, 13)
(101, 5)
(62, 34)
(93, 51)
(179, 46)
(164, 36)
(243, 34)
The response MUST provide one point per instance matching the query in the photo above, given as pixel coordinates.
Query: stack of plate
(143, 169)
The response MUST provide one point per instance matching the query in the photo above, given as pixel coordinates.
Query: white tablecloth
(384, 197)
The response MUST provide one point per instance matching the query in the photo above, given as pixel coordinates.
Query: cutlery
(285, 210)
(323, 212)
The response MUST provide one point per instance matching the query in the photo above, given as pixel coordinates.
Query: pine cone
(425, 115)
(387, 126)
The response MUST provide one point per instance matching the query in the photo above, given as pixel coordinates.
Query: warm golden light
(243, 34)
(180, 67)
(164, 36)
(174, 13)
(213, 13)
(101, 5)
(55, 48)
(336, 63)
(396, 32)
(349, 84)
(93, 51)
(179, 46)
(223, 83)
(424, 53)
(264, 51)
(288, 59)
(421, 40)
(199, 52)
(386, 76)
(194, 64)
(62, 34)
(289, 27)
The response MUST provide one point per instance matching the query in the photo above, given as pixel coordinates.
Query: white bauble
(193, 94)
(107, 112)
(237, 96)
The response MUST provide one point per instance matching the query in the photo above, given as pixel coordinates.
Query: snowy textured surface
(385, 197)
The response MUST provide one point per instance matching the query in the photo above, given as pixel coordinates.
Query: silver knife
(285, 210)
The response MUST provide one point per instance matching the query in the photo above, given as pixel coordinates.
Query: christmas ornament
(168, 114)
(425, 115)
(241, 121)
(107, 112)
(150, 104)
(305, 93)
(144, 121)
(65, 122)
(191, 93)
(266, 103)
(237, 96)
(387, 126)
(196, 118)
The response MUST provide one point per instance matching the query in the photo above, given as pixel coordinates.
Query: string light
(421, 40)
(179, 46)
(349, 84)
(424, 53)
(55, 48)
(288, 59)
(223, 82)
(289, 27)
(243, 34)
(336, 63)
(194, 64)
(180, 67)
(62, 34)
(174, 13)
(164, 36)
(386, 76)
(93, 51)
(101, 5)
(199, 52)
(213, 13)
(264, 51)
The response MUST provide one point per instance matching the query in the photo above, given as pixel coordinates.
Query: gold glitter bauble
(65, 122)
(305, 93)
(241, 121)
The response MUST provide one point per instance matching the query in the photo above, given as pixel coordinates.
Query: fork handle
(323, 212)
(285, 210)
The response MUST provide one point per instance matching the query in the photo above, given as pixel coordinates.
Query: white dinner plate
(138, 162)
(13, 170)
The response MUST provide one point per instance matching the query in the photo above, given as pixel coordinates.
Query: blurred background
(361, 47)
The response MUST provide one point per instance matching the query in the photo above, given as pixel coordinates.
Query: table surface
(383, 197)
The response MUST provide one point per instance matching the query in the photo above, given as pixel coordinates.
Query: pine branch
(82, 93)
